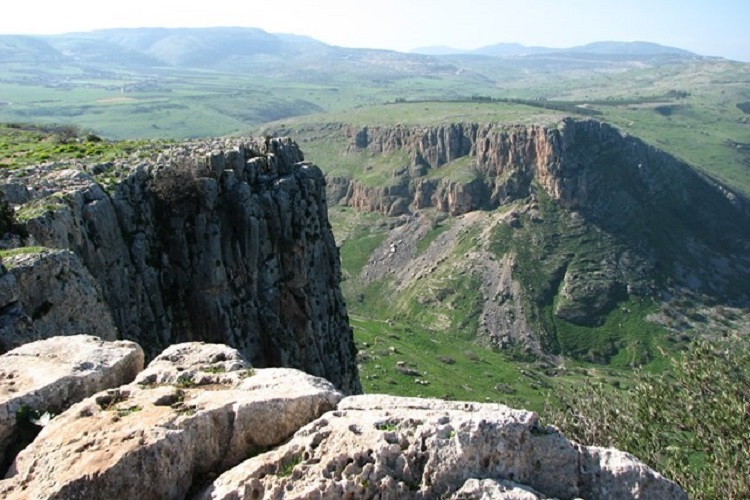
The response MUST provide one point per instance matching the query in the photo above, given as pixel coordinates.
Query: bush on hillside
(176, 190)
(692, 424)
(8, 221)
(7, 215)
(66, 133)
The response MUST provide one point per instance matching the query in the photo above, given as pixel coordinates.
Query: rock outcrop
(196, 410)
(47, 293)
(224, 241)
(662, 226)
(388, 447)
(49, 376)
(585, 165)
(200, 411)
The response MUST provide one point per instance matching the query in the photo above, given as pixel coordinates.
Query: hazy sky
(709, 27)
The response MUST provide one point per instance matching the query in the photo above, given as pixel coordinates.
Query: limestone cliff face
(668, 214)
(589, 218)
(219, 242)
(575, 161)
(49, 293)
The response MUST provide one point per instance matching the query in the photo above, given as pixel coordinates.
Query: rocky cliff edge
(199, 422)
(222, 241)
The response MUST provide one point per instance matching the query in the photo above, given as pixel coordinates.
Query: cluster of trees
(692, 424)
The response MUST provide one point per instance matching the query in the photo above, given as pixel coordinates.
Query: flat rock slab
(51, 375)
(180, 424)
(389, 447)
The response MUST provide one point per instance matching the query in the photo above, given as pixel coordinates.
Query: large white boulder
(197, 410)
(50, 375)
(389, 447)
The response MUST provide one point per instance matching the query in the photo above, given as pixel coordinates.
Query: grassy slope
(437, 338)
(453, 365)
(706, 128)
(703, 128)
(22, 145)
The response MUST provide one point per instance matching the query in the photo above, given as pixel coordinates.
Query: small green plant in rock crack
(186, 382)
(214, 369)
(109, 400)
(179, 406)
(247, 372)
(288, 465)
(124, 412)
(185, 410)
(386, 426)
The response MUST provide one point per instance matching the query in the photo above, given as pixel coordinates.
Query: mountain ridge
(220, 47)
(600, 47)
(580, 216)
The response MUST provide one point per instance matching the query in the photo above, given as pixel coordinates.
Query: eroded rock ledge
(585, 165)
(223, 241)
(666, 229)
(199, 422)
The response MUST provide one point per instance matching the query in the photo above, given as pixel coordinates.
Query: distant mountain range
(599, 48)
(254, 50)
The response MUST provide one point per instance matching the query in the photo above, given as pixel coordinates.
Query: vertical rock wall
(228, 245)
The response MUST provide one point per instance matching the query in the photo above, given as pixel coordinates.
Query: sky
(708, 27)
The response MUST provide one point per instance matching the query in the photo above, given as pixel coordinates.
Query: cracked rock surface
(389, 447)
(200, 423)
(163, 435)
(51, 375)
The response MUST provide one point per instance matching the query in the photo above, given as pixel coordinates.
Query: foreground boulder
(390, 447)
(53, 374)
(200, 423)
(197, 410)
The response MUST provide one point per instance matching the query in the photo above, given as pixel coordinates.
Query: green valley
(510, 228)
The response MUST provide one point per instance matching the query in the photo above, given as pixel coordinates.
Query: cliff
(615, 181)
(584, 217)
(578, 162)
(224, 241)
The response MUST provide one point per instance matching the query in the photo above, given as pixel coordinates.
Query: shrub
(176, 190)
(7, 215)
(66, 133)
(8, 221)
(692, 424)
